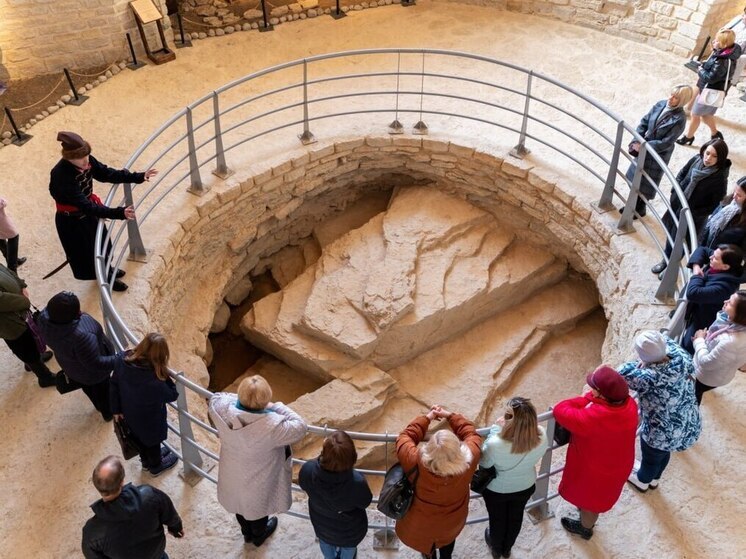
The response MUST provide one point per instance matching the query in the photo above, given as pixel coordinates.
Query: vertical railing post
(137, 248)
(605, 202)
(520, 150)
(306, 138)
(222, 169)
(196, 186)
(385, 538)
(189, 453)
(667, 287)
(625, 222)
(396, 126)
(420, 127)
(541, 511)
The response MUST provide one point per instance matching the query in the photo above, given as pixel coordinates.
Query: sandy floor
(52, 442)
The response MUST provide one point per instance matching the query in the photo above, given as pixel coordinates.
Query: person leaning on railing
(445, 466)
(515, 444)
(659, 127)
(601, 452)
(255, 457)
(721, 349)
(727, 224)
(337, 497)
(662, 378)
(704, 182)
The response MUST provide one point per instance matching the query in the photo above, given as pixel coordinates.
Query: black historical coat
(72, 188)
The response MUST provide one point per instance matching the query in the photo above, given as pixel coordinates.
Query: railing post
(306, 138)
(542, 512)
(385, 538)
(605, 203)
(667, 287)
(222, 169)
(189, 453)
(625, 222)
(137, 248)
(420, 127)
(520, 150)
(196, 186)
(396, 126)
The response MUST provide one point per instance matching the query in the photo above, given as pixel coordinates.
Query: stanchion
(407, 3)
(694, 63)
(184, 41)
(267, 26)
(77, 99)
(134, 65)
(337, 13)
(20, 137)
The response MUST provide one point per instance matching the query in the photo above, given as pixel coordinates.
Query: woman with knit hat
(669, 413)
(602, 425)
(79, 209)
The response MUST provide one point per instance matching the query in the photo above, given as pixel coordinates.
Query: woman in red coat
(601, 453)
(445, 467)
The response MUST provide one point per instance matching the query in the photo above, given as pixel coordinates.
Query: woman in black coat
(715, 73)
(337, 497)
(79, 209)
(140, 388)
(704, 181)
(660, 127)
(727, 224)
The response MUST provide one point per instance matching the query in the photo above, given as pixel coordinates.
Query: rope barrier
(109, 67)
(40, 100)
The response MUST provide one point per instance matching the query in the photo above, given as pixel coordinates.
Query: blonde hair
(254, 393)
(522, 430)
(152, 351)
(726, 38)
(684, 93)
(445, 455)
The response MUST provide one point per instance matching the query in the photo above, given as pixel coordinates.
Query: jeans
(506, 516)
(330, 551)
(653, 462)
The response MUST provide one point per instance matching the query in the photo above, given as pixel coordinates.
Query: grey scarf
(719, 220)
(697, 172)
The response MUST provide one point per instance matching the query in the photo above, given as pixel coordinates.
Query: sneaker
(119, 285)
(654, 483)
(575, 527)
(636, 483)
(269, 530)
(659, 267)
(167, 462)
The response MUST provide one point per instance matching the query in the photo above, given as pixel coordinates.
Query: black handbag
(65, 384)
(561, 435)
(397, 493)
(482, 478)
(130, 447)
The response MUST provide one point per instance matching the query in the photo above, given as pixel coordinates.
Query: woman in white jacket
(255, 457)
(720, 350)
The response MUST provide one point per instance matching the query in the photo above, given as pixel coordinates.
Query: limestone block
(252, 14)
(351, 218)
(206, 11)
(222, 316)
(207, 357)
(295, 8)
(308, 4)
(239, 292)
(287, 265)
(311, 251)
(279, 11)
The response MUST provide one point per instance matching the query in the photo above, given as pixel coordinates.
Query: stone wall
(210, 249)
(677, 26)
(44, 36)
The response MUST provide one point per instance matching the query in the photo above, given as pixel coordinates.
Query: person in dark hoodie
(716, 275)
(337, 497)
(82, 349)
(127, 521)
(79, 209)
(140, 388)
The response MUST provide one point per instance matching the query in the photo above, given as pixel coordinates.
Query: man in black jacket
(128, 521)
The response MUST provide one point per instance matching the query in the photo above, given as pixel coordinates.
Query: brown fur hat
(73, 146)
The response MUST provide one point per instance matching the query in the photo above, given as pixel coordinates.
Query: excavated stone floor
(53, 442)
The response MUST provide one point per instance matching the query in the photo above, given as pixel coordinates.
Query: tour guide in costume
(79, 209)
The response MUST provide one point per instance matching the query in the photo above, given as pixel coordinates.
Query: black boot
(12, 255)
(46, 356)
(575, 526)
(44, 376)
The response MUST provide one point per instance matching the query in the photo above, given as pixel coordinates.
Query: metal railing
(353, 91)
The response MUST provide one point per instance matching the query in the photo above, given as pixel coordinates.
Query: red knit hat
(73, 146)
(610, 384)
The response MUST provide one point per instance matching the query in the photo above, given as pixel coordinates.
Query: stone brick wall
(214, 245)
(677, 26)
(44, 36)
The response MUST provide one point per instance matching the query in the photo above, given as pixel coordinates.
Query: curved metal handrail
(184, 162)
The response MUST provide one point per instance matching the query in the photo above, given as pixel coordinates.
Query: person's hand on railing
(129, 212)
(697, 270)
(150, 173)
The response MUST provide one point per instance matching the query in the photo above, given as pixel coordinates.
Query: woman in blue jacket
(515, 444)
(140, 388)
(337, 497)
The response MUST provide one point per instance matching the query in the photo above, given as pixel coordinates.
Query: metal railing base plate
(540, 514)
(223, 174)
(79, 101)
(598, 208)
(139, 257)
(420, 129)
(519, 151)
(307, 138)
(22, 139)
(198, 190)
(385, 539)
(396, 127)
(193, 478)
